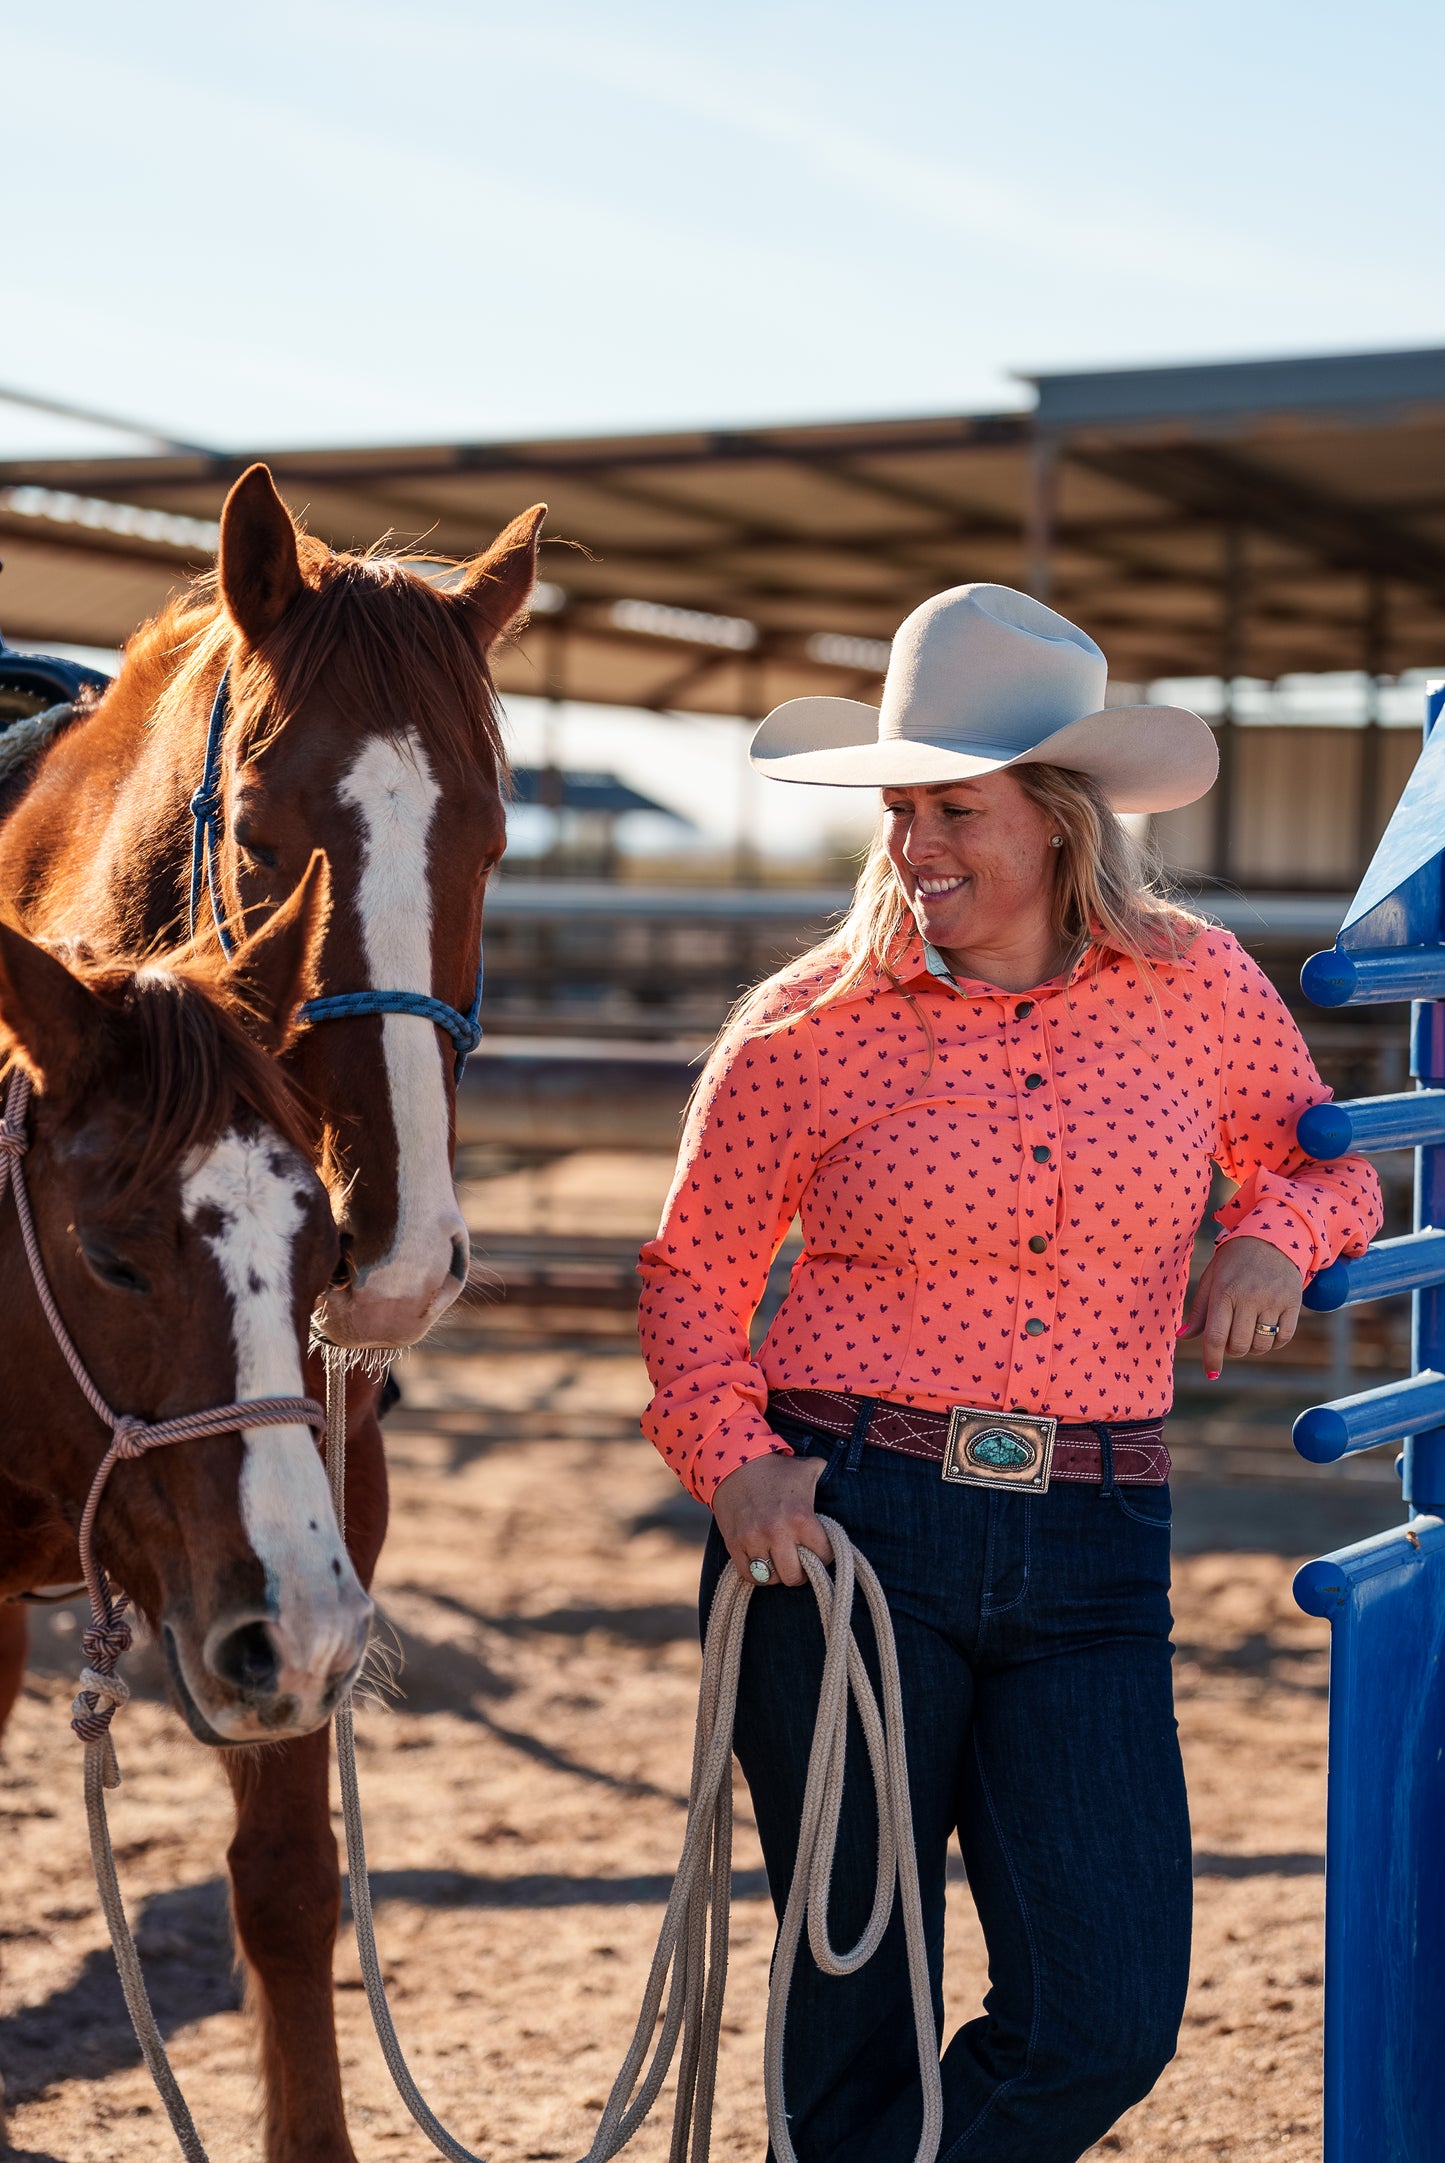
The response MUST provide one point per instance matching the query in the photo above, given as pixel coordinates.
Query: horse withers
(185, 1239)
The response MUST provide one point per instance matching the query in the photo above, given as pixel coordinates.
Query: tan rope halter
(102, 1689)
(109, 1635)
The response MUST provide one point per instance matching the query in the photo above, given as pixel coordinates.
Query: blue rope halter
(207, 823)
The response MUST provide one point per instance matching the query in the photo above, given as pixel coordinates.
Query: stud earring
(1056, 841)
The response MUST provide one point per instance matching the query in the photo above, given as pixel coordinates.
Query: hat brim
(1145, 758)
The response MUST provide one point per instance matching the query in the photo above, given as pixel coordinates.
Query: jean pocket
(1150, 1506)
(834, 1454)
(805, 1441)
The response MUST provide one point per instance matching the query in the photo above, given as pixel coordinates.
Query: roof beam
(1222, 485)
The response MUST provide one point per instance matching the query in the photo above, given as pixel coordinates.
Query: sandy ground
(525, 1809)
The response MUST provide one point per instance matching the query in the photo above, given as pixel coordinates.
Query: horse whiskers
(379, 1680)
(374, 1360)
(484, 1280)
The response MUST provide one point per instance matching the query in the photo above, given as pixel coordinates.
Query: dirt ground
(525, 1804)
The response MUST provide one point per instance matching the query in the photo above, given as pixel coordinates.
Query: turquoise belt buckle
(986, 1448)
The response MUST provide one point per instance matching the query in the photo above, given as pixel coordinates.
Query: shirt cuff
(724, 1455)
(707, 1432)
(1283, 1224)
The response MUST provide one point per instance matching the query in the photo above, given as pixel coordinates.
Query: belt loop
(1106, 1458)
(866, 1408)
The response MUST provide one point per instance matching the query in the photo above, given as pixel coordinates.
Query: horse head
(186, 1238)
(364, 720)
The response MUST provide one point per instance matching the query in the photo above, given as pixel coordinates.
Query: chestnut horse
(358, 715)
(184, 1237)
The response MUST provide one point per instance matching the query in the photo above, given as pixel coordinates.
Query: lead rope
(693, 1942)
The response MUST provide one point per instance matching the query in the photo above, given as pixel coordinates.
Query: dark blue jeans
(1033, 1640)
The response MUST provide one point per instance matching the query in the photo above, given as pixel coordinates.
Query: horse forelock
(394, 648)
(179, 1038)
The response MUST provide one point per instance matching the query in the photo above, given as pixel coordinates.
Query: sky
(331, 220)
(309, 222)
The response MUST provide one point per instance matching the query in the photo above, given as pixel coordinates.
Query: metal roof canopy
(1253, 519)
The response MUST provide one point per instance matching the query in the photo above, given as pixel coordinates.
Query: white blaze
(392, 789)
(254, 1188)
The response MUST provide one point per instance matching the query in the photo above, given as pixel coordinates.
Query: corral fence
(1385, 1597)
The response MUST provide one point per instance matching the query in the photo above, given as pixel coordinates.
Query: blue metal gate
(1385, 1597)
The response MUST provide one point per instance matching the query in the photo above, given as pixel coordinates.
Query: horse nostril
(345, 1268)
(247, 1659)
(461, 1257)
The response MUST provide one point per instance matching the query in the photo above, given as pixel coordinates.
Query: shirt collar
(913, 960)
(973, 988)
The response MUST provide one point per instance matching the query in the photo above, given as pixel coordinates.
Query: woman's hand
(765, 1509)
(1247, 1302)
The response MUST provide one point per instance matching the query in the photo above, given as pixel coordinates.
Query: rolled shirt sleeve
(1312, 1212)
(748, 1151)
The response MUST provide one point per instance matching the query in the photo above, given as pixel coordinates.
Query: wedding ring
(761, 1570)
(1266, 1329)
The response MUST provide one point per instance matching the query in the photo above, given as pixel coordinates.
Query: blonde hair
(1107, 892)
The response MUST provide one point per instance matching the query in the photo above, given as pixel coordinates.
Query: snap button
(1042, 1153)
(1033, 1081)
(1038, 1244)
(1023, 1010)
(1033, 1327)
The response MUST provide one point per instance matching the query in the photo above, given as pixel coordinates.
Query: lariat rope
(102, 1689)
(693, 1942)
(207, 825)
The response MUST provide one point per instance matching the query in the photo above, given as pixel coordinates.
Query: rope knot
(14, 1141)
(205, 806)
(105, 1643)
(130, 1436)
(102, 1691)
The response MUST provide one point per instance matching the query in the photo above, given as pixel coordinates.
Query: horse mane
(182, 1034)
(369, 624)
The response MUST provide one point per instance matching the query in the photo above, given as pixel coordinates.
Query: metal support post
(1376, 657)
(1231, 668)
(1042, 513)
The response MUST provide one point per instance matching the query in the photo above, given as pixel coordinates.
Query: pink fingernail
(1211, 1374)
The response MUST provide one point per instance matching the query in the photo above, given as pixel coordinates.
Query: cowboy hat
(979, 678)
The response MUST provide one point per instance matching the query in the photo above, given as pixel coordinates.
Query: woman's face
(974, 860)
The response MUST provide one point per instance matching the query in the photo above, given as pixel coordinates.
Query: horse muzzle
(259, 1677)
(393, 1303)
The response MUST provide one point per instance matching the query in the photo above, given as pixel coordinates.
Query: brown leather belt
(1140, 1456)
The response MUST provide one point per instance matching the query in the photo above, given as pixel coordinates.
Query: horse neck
(96, 849)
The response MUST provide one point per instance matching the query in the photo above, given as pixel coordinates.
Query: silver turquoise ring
(760, 1570)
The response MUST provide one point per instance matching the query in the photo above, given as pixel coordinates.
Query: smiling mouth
(935, 889)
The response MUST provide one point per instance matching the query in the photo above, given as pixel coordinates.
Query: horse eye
(257, 852)
(111, 1269)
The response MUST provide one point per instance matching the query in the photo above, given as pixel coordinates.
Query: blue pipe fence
(1384, 1598)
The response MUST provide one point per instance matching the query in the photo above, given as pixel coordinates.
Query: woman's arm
(1291, 1216)
(749, 1149)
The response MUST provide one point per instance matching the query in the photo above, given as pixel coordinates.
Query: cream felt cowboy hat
(983, 677)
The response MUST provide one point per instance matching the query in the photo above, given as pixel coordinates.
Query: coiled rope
(692, 1944)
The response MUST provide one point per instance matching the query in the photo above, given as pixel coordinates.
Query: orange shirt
(1004, 1218)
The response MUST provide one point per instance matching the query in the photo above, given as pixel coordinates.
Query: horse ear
(496, 586)
(48, 1017)
(278, 967)
(260, 570)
